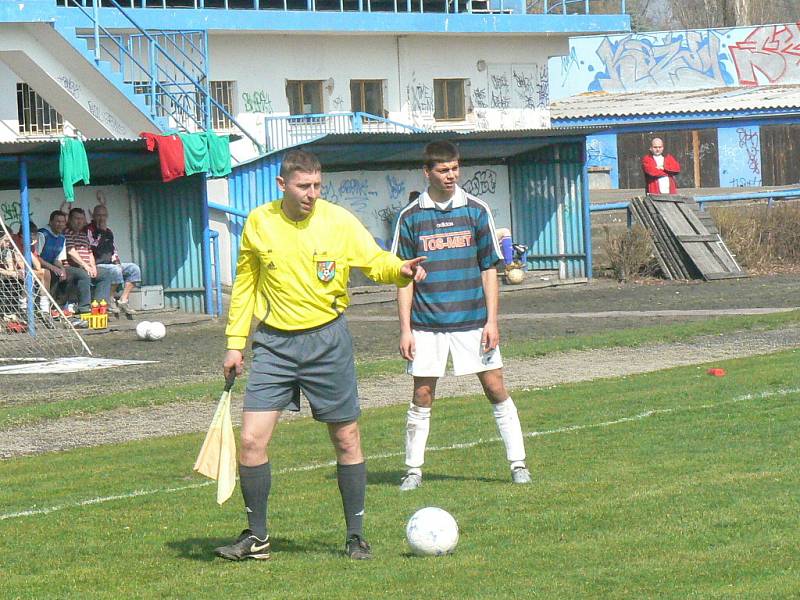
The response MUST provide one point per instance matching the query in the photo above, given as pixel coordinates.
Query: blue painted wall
(601, 151)
(739, 156)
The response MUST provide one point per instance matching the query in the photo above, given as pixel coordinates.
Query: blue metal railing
(285, 131)
(551, 7)
(174, 83)
(770, 197)
(570, 7)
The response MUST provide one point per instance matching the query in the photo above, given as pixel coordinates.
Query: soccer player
(292, 276)
(454, 311)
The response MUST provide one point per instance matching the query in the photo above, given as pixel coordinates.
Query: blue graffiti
(397, 188)
(678, 60)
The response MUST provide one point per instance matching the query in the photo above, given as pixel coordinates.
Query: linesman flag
(217, 458)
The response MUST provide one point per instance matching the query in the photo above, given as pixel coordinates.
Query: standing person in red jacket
(660, 170)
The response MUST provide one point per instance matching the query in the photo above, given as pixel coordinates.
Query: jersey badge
(326, 270)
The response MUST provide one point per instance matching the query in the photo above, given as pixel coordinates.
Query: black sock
(256, 482)
(353, 487)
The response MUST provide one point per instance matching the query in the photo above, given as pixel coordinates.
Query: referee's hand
(234, 360)
(412, 269)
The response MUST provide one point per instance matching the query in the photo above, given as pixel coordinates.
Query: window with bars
(223, 92)
(35, 115)
(366, 95)
(305, 97)
(448, 97)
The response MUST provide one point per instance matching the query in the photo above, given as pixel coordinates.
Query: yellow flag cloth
(217, 457)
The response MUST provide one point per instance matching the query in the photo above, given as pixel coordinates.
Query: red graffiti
(772, 50)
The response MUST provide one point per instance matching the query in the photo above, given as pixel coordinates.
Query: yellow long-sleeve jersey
(293, 275)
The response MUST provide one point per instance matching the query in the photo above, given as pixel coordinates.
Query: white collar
(458, 199)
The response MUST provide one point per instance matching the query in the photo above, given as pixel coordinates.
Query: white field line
(464, 445)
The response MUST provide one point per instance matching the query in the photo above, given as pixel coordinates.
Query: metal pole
(587, 217)
(25, 217)
(96, 17)
(207, 285)
(217, 274)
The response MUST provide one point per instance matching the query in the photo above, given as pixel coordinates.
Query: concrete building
(274, 73)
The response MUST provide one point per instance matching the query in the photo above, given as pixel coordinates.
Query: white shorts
(433, 347)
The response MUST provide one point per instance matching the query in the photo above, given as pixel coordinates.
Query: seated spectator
(101, 240)
(82, 267)
(12, 270)
(10, 284)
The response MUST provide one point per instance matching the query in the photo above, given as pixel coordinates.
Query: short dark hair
(31, 227)
(57, 213)
(299, 160)
(439, 152)
(75, 210)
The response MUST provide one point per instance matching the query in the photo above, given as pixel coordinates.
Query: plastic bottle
(95, 307)
(103, 308)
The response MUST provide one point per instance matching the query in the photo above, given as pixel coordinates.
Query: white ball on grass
(432, 531)
(142, 329)
(157, 331)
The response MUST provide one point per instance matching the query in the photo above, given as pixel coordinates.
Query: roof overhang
(111, 162)
(373, 151)
(713, 104)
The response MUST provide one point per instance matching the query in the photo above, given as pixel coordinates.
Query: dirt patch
(131, 424)
(192, 353)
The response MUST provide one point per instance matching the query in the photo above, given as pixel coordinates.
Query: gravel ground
(130, 424)
(194, 346)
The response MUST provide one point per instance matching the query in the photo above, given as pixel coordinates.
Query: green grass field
(671, 484)
(17, 415)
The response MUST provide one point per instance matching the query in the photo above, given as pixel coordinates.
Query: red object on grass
(716, 372)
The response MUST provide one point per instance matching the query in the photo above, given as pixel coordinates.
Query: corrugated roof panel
(713, 100)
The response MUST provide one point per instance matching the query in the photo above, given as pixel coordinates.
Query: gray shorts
(318, 361)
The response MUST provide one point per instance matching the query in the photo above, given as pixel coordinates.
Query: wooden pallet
(686, 240)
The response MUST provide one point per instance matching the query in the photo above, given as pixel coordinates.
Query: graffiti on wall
(482, 182)
(11, 215)
(748, 140)
(772, 51)
(376, 197)
(523, 86)
(257, 101)
(739, 156)
(420, 98)
(678, 59)
(70, 85)
(106, 118)
(671, 60)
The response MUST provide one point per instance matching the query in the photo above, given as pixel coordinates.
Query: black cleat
(357, 548)
(247, 545)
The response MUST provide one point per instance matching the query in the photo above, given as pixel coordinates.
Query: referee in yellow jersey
(292, 274)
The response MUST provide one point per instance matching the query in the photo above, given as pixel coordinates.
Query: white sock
(418, 425)
(507, 420)
(44, 304)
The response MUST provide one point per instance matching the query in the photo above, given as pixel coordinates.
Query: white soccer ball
(142, 329)
(432, 531)
(515, 276)
(156, 331)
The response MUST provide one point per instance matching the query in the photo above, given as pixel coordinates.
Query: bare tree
(703, 14)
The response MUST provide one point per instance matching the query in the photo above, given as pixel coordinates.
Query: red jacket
(652, 173)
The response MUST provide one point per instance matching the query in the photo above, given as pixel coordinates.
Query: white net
(33, 327)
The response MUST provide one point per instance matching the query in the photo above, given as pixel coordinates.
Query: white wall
(508, 82)
(44, 201)
(219, 222)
